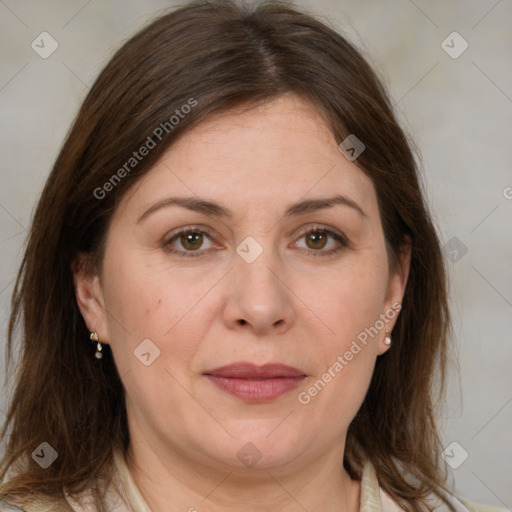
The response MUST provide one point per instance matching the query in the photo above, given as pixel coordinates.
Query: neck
(169, 482)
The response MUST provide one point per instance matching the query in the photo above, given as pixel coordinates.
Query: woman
(232, 295)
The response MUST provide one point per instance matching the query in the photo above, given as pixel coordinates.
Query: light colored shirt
(123, 495)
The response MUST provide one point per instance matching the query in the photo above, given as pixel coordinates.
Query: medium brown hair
(221, 54)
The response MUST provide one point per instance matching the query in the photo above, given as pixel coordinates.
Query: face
(285, 265)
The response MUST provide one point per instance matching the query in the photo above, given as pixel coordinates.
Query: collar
(373, 498)
(132, 495)
(123, 495)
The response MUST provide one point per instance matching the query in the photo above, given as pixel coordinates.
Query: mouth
(253, 383)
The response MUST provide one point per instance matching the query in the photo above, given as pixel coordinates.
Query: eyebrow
(216, 210)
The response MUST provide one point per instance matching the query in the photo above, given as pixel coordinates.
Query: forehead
(284, 129)
(254, 157)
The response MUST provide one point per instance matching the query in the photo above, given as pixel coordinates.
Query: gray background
(457, 110)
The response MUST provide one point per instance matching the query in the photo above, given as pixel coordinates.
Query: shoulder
(37, 505)
(4, 507)
(476, 507)
(374, 498)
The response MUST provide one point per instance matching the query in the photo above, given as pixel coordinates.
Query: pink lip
(256, 383)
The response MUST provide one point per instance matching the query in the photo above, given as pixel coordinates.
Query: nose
(258, 298)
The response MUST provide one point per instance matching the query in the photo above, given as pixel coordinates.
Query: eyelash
(316, 229)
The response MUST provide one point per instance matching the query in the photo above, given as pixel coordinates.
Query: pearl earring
(99, 346)
(387, 339)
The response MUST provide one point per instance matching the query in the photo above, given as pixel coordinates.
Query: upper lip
(252, 371)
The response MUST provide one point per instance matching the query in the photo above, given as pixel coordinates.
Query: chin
(261, 448)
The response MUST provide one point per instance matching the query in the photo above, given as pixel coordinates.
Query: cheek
(349, 302)
(149, 304)
(345, 360)
(350, 299)
(143, 303)
(148, 298)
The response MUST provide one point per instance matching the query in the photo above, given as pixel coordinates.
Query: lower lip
(261, 390)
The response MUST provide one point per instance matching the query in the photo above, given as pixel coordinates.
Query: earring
(99, 346)
(387, 339)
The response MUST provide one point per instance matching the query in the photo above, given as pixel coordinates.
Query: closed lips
(251, 371)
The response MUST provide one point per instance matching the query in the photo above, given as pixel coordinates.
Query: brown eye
(191, 241)
(322, 242)
(316, 240)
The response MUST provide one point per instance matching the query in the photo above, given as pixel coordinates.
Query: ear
(89, 296)
(395, 292)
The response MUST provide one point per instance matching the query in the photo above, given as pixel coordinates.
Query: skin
(291, 305)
